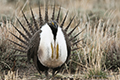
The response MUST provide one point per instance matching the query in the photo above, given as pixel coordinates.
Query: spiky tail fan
(31, 31)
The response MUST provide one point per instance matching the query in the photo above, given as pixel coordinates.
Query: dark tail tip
(58, 14)
(64, 20)
(46, 11)
(53, 12)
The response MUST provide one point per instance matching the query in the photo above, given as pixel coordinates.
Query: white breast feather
(60, 39)
(46, 38)
(45, 45)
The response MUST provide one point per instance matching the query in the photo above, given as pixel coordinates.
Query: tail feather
(74, 49)
(29, 26)
(17, 44)
(20, 50)
(35, 23)
(46, 12)
(64, 20)
(69, 24)
(76, 35)
(77, 42)
(40, 17)
(53, 12)
(58, 14)
(73, 29)
(21, 33)
(24, 42)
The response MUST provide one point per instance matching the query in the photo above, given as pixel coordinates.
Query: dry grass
(100, 48)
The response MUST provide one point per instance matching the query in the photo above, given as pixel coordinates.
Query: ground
(98, 57)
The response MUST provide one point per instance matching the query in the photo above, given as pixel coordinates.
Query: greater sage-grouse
(47, 43)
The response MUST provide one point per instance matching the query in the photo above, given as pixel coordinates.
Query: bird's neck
(54, 31)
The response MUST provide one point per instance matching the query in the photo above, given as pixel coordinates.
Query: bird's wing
(33, 45)
(32, 51)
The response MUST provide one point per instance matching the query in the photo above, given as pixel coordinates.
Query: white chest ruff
(52, 53)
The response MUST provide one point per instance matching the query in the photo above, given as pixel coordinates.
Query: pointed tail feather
(64, 20)
(72, 38)
(40, 16)
(53, 14)
(69, 24)
(74, 49)
(46, 12)
(35, 23)
(20, 55)
(30, 27)
(77, 42)
(20, 50)
(58, 14)
(73, 29)
(21, 33)
(17, 44)
(24, 42)
(26, 31)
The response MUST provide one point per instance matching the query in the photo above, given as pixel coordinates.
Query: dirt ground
(30, 73)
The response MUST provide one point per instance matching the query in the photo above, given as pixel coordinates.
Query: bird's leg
(53, 74)
(46, 74)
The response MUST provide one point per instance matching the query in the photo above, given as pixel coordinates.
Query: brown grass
(102, 35)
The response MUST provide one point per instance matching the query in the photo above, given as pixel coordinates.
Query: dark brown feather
(58, 14)
(72, 38)
(69, 24)
(17, 44)
(33, 45)
(20, 50)
(24, 42)
(73, 29)
(46, 11)
(35, 23)
(53, 14)
(21, 33)
(77, 42)
(19, 55)
(74, 49)
(29, 26)
(64, 20)
(40, 17)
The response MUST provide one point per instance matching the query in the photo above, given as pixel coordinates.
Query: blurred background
(99, 55)
(92, 9)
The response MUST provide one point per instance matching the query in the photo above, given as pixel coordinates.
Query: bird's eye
(53, 23)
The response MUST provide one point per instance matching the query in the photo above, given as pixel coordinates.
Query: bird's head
(54, 27)
(53, 24)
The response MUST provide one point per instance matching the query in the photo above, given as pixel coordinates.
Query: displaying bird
(47, 43)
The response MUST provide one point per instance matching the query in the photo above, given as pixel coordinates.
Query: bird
(47, 44)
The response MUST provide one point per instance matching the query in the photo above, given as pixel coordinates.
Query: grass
(98, 57)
